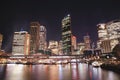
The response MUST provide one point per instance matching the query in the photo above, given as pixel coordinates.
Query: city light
(59, 40)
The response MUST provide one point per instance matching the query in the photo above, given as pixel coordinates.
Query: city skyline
(85, 16)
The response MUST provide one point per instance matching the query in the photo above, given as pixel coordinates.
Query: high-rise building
(60, 48)
(35, 36)
(109, 35)
(106, 47)
(102, 32)
(1, 39)
(42, 41)
(66, 35)
(53, 46)
(102, 36)
(74, 42)
(21, 43)
(74, 45)
(87, 42)
(113, 28)
(81, 47)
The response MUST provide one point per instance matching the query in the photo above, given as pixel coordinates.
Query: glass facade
(66, 35)
(102, 32)
(34, 32)
(109, 32)
(42, 41)
(113, 29)
(87, 42)
(21, 43)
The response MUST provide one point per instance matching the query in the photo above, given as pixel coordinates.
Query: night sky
(17, 14)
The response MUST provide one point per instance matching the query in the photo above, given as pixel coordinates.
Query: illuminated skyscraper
(1, 38)
(35, 36)
(87, 42)
(60, 48)
(113, 28)
(102, 32)
(106, 47)
(42, 41)
(74, 42)
(103, 42)
(21, 43)
(81, 47)
(53, 46)
(66, 35)
(109, 35)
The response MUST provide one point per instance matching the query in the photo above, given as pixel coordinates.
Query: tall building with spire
(66, 35)
(35, 36)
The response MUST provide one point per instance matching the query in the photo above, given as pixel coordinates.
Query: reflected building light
(60, 72)
(15, 71)
(95, 71)
(111, 76)
(90, 74)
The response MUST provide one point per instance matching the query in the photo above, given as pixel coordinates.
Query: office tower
(1, 39)
(74, 42)
(21, 43)
(42, 41)
(74, 45)
(81, 47)
(53, 46)
(106, 47)
(66, 35)
(87, 42)
(35, 37)
(60, 48)
(109, 35)
(113, 28)
(102, 32)
(102, 36)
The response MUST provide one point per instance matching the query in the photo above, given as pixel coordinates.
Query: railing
(43, 56)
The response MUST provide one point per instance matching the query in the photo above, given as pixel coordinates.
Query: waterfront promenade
(107, 63)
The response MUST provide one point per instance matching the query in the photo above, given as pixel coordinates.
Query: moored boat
(96, 64)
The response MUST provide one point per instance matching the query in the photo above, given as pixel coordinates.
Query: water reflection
(2, 71)
(55, 72)
(14, 72)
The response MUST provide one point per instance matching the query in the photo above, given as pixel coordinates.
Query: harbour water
(80, 71)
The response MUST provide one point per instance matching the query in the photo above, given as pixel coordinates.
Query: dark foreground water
(55, 72)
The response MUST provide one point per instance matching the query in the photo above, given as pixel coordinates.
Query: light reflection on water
(55, 72)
